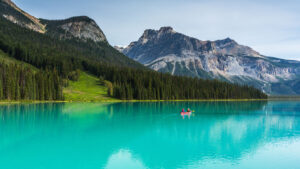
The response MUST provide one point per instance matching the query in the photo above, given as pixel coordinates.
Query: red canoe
(186, 113)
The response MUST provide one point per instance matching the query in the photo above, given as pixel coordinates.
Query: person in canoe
(188, 113)
(189, 110)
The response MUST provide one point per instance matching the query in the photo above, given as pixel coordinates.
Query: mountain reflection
(154, 133)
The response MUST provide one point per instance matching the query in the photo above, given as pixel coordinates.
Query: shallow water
(150, 135)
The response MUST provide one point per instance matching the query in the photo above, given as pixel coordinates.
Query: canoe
(186, 113)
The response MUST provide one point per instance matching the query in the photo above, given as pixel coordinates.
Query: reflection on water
(149, 135)
(123, 158)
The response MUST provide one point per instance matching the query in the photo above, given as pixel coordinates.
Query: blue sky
(271, 27)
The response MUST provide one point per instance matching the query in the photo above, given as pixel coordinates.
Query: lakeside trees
(131, 84)
(22, 83)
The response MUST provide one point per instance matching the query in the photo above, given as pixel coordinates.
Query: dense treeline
(148, 85)
(129, 80)
(21, 83)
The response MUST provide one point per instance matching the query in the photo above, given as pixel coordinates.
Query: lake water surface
(150, 135)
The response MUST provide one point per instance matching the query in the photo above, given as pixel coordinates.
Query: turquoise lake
(221, 135)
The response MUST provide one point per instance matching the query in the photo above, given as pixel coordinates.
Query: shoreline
(133, 101)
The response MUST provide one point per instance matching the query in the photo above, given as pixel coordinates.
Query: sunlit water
(150, 135)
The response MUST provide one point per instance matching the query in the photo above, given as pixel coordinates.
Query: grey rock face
(165, 50)
(83, 30)
(81, 27)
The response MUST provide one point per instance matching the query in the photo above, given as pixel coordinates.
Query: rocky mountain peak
(148, 34)
(151, 33)
(81, 27)
(226, 41)
(229, 46)
(166, 29)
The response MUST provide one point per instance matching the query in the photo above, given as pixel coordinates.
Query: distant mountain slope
(166, 50)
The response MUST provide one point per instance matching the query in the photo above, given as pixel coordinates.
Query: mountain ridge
(166, 50)
(80, 27)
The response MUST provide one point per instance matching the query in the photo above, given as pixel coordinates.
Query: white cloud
(123, 159)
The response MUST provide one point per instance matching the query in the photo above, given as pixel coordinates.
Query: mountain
(81, 34)
(71, 59)
(166, 50)
(81, 27)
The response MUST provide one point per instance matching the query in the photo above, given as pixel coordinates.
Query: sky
(271, 27)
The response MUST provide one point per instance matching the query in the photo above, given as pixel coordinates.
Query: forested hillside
(44, 51)
(22, 82)
(59, 59)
